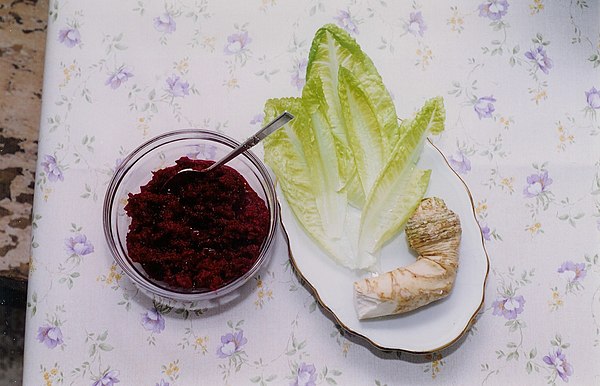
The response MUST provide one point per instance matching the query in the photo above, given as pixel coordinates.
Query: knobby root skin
(434, 232)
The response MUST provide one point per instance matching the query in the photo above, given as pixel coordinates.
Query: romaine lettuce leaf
(363, 130)
(324, 161)
(293, 155)
(400, 186)
(346, 146)
(331, 48)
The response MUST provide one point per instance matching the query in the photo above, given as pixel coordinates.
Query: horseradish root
(433, 231)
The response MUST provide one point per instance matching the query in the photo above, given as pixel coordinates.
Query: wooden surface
(22, 43)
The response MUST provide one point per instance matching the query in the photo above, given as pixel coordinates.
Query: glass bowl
(136, 170)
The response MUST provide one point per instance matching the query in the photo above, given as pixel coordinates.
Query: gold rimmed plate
(425, 330)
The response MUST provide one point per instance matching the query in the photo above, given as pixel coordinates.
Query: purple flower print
(70, 37)
(493, 9)
(416, 24)
(593, 98)
(231, 343)
(237, 43)
(559, 362)
(299, 74)
(177, 87)
(485, 231)
(108, 379)
(539, 57)
(49, 335)
(344, 20)
(153, 321)
(306, 375)
(162, 383)
(509, 307)
(78, 245)
(460, 162)
(52, 169)
(578, 269)
(537, 184)
(165, 23)
(484, 106)
(118, 78)
(203, 151)
(257, 119)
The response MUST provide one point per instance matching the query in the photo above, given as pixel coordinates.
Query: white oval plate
(425, 330)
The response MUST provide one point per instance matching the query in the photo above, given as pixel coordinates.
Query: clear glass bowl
(136, 170)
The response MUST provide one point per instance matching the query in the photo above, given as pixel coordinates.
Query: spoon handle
(275, 124)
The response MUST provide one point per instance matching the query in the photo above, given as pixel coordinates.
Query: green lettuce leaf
(294, 156)
(346, 146)
(364, 132)
(331, 48)
(400, 186)
(324, 160)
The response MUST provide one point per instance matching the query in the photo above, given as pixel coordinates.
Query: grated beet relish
(205, 235)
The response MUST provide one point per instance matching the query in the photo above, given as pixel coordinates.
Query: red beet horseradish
(201, 236)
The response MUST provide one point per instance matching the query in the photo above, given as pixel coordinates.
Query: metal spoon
(186, 174)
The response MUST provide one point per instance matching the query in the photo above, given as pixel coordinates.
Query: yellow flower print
(209, 43)
(112, 277)
(69, 71)
(538, 95)
(201, 343)
(435, 365)
(556, 301)
(481, 207)
(535, 228)
(456, 21)
(506, 122)
(265, 4)
(564, 137)
(46, 193)
(52, 376)
(142, 125)
(507, 183)
(183, 66)
(231, 84)
(481, 213)
(498, 180)
(264, 293)
(345, 348)
(67, 75)
(197, 342)
(424, 56)
(171, 370)
(536, 7)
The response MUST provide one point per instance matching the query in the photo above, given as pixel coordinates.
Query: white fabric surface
(522, 129)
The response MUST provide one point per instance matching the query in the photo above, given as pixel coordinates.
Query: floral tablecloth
(522, 91)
